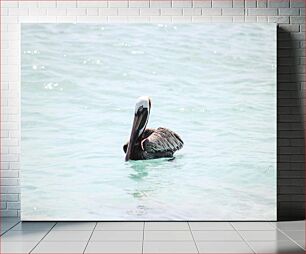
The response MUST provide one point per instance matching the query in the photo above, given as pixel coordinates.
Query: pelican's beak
(139, 124)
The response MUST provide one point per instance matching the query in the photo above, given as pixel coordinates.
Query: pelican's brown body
(154, 144)
(148, 143)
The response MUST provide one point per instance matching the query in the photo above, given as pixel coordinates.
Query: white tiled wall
(290, 14)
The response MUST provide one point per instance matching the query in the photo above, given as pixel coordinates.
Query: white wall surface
(289, 14)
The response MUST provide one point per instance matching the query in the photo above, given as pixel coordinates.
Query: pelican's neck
(142, 129)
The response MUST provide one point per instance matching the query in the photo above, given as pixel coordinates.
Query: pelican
(148, 143)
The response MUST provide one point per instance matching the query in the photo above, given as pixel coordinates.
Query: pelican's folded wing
(162, 140)
(145, 134)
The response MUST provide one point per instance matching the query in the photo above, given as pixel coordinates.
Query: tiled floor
(152, 237)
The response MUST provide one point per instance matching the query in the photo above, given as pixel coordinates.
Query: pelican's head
(143, 102)
(141, 117)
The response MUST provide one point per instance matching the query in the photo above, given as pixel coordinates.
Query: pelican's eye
(139, 110)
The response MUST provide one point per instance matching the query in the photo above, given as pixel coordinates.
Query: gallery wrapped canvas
(148, 121)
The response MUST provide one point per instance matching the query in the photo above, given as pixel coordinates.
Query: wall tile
(222, 3)
(233, 12)
(211, 11)
(261, 11)
(139, 4)
(89, 4)
(250, 3)
(119, 3)
(238, 3)
(182, 3)
(149, 12)
(297, 3)
(278, 3)
(289, 11)
(160, 3)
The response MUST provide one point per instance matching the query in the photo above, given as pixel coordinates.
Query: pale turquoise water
(214, 84)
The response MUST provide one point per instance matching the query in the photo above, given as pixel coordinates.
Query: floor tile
(114, 247)
(60, 247)
(223, 247)
(9, 220)
(276, 247)
(253, 226)
(297, 235)
(68, 236)
(301, 243)
(5, 226)
(3, 230)
(166, 226)
(33, 226)
(17, 247)
(119, 226)
(273, 235)
(291, 225)
(63, 226)
(210, 226)
(216, 236)
(22, 236)
(101, 236)
(169, 247)
(9, 224)
(168, 236)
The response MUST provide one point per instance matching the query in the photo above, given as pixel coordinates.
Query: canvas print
(148, 122)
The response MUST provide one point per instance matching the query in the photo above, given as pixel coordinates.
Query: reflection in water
(142, 167)
(147, 184)
(141, 170)
(140, 210)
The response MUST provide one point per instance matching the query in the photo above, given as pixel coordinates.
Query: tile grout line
(143, 232)
(10, 228)
(246, 242)
(273, 225)
(90, 237)
(193, 237)
(42, 238)
(290, 238)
